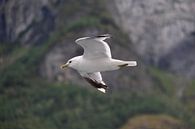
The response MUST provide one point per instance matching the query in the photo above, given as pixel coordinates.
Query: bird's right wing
(95, 79)
(95, 47)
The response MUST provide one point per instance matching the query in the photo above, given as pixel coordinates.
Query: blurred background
(37, 36)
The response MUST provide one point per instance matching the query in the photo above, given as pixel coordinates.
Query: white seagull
(96, 58)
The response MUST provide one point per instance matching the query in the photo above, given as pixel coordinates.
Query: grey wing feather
(95, 47)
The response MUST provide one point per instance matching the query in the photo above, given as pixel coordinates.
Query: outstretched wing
(95, 47)
(95, 79)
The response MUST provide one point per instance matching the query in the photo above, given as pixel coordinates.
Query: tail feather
(132, 63)
(127, 63)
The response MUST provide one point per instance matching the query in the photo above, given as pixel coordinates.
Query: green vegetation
(83, 23)
(164, 81)
(188, 97)
(38, 104)
(28, 102)
(154, 122)
(190, 90)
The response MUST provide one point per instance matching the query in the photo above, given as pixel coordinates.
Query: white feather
(102, 90)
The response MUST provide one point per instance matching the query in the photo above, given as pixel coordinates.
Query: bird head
(70, 63)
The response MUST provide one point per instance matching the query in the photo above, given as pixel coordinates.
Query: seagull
(95, 59)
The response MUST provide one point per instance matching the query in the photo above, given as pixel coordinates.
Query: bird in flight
(95, 59)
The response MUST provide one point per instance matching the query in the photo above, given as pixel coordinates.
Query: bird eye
(70, 61)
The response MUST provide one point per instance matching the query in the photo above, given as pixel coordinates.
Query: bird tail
(128, 63)
(132, 63)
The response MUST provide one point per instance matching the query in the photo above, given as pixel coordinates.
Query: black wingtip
(104, 36)
(96, 84)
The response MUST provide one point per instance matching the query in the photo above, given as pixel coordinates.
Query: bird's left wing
(95, 47)
(95, 79)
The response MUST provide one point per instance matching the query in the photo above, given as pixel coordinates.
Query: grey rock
(180, 59)
(27, 21)
(2, 22)
(156, 27)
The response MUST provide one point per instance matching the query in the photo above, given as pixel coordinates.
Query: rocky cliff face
(180, 59)
(26, 21)
(157, 27)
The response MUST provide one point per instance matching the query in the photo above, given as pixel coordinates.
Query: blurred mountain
(37, 36)
(58, 23)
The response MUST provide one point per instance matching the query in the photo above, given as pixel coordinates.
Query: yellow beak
(64, 66)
